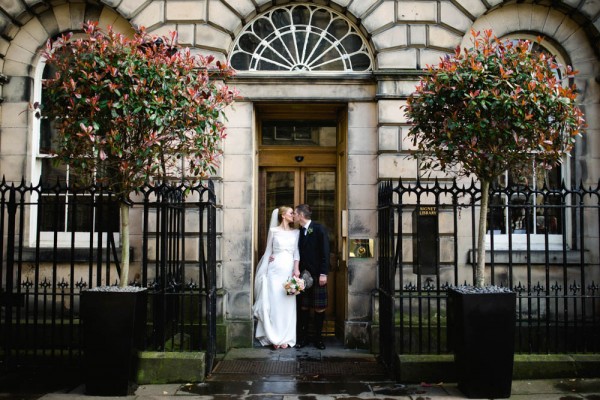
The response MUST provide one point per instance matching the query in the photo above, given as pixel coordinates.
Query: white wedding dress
(274, 309)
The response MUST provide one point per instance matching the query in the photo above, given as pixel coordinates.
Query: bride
(274, 309)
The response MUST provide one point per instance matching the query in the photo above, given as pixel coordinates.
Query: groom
(314, 257)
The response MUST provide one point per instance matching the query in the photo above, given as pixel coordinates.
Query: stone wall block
(48, 21)
(181, 10)
(362, 115)
(389, 137)
(358, 8)
(418, 35)
(431, 57)
(394, 166)
(397, 88)
(454, 17)
(381, 16)
(163, 30)
(17, 89)
(362, 141)
(362, 169)
(236, 247)
(15, 115)
(150, 16)
(111, 3)
(507, 18)
(362, 223)
(128, 8)
(108, 16)
(222, 16)
(14, 68)
(394, 36)
(238, 302)
(208, 36)
(237, 167)
(406, 142)
(391, 111)
(13, 8)
(359, 305)
(525, 12)
(591, 10)
(538, 19)
(238, 221)
(4, 23)
(186, 34)
(14, 141)
(4, 45)
(19, 54)
(238, 141)
(245, 8)
(474, 7)
(362, 197)
(236, 274)
(77, 11)
(62, 14)
(12, 167)
(554, 20)
(237, 194)
(36, 30)
(441, 37)
(421, 11)
(26, 42)
(566, 29)
(240, 115)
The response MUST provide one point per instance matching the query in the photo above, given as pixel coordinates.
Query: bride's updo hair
(282, 210)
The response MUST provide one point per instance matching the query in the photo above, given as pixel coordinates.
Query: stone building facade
(319, 119)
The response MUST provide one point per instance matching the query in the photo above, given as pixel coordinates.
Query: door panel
(293, 186)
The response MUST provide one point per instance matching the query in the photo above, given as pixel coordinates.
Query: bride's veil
(261, 270)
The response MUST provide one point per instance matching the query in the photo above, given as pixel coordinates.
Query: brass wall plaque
(361, 248)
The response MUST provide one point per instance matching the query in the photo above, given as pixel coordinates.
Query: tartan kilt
(315, 297)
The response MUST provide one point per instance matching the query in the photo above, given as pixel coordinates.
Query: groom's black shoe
(301, 343)
(319, 344)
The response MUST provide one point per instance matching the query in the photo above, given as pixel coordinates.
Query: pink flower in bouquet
(294, 286)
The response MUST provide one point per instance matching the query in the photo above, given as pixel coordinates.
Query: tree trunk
(123, 278)
(480, 270)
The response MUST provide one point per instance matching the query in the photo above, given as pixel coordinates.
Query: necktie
(303, 230)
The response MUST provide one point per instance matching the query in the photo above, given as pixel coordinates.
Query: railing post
(10, 264)
(211, 285)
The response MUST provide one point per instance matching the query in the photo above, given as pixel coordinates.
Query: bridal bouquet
(294, 286)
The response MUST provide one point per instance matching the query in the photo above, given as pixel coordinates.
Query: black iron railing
(57, 241)
(544, 244)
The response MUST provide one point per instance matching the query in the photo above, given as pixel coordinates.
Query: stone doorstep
(439, 368)
(155, 367)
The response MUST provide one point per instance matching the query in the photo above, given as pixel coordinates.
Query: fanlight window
(301, 38)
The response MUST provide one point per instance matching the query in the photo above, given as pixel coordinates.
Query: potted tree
(483, 111)
(127, 112)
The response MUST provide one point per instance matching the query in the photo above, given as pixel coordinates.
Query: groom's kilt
(315, 297)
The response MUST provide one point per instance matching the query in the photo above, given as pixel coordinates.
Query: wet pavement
(299, 374)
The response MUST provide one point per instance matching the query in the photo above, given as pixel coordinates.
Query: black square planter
(481, 331)
(113, 329)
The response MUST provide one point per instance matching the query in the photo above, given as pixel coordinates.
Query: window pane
(295, 133)
(51, 213)
(53, 174)
(81, 213)
(532, 208)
